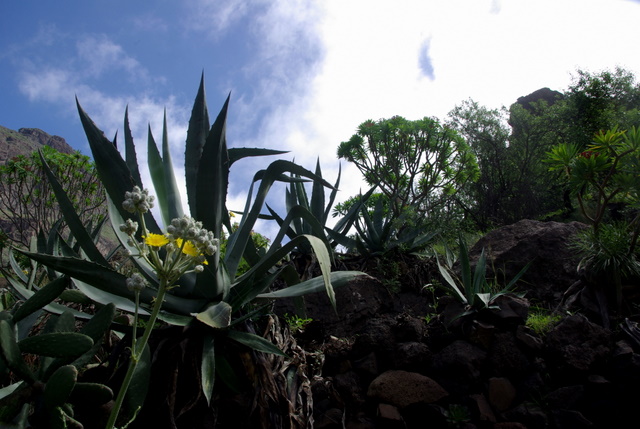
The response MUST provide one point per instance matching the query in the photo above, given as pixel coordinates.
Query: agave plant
(471, 288)
(377, 233)
(211, 305)
(311, 215)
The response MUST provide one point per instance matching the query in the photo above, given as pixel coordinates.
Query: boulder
(577, 346)
(357, 302)
(546, 245)
(403, 388)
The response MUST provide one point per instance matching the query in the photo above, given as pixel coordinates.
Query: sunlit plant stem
(186, 244)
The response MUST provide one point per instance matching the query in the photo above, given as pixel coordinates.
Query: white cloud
(215, 17)
(99, 54)
(316, 70)
(49, 85)
(59, 85)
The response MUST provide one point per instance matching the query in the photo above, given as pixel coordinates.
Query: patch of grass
(541, 321)
(296, 324)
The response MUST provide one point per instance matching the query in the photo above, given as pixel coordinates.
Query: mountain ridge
(26, 140)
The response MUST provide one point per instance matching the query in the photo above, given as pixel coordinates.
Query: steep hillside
(26, 140)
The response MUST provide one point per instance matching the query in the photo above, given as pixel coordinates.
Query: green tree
(510, 144)
(534, 192)
(415, 164)
(487, 134)
(600, 101)
(27, 202)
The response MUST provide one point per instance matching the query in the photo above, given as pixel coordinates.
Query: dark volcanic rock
(544, 244)
(546, 94)
(402, 389)
(576, 345)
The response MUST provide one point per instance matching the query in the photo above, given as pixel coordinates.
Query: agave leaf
(275, 216)
(112, 169)
(345, 223)
(332, 195)
(130, 151)
(73, 220)
(174, 319)
(314, 285)
(341, 239)
(238, 241)
(196, 138)
(517, 277)
(8, 390)
(255, 342)
(17, 269)
(210, 201)
(104, 297)
(157, 173)
(247, 288)
(174, 208)
(238, 153)
(297, 197)
(317, 197)
(299, 212)
(208, 367)
(452, 283)
(276, 254)
(378, 222)
(217, 316)
(212, 182)
(479, 275)
(485, 298)
(111, 281)
(52, 307)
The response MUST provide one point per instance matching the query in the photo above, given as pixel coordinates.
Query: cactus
(41, 298)
(75, 296)
(11, 351)
(57, 344)
(59, 387)
(65, 323)
(91, 393)
(99, 323)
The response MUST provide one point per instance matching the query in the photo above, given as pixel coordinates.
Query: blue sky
(302, 74)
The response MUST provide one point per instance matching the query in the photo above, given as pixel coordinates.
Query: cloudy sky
(302, 74)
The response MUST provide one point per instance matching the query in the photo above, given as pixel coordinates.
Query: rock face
(546, 245)
(396, 370)
(26, 140)
(546, 94)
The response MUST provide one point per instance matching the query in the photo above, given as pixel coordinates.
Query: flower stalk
(186, 246)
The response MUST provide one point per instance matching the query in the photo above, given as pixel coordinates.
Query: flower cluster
(187, 228)
(129, 227)
(136, 282)
(138, 200)
(186, 242)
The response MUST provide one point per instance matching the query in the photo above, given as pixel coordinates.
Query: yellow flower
(189, 248)
(155, 240)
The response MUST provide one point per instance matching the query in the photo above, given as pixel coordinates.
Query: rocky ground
(393, 359)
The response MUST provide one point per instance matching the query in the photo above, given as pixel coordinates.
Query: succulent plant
(211, 296)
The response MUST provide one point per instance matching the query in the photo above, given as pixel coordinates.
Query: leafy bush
(604, 174)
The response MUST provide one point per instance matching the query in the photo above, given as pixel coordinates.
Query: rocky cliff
(26, 140)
